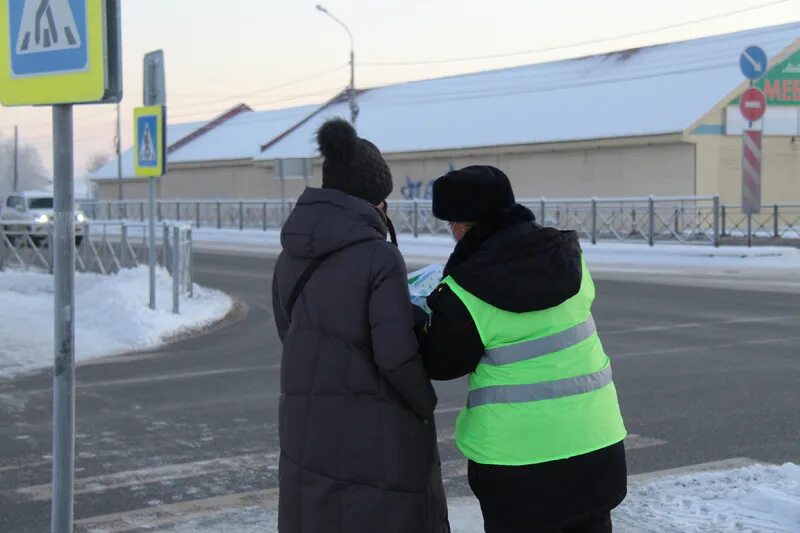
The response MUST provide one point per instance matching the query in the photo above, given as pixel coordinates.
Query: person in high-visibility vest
(541, 427)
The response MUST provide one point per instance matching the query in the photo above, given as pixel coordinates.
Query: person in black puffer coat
(509, 274)
(357, 434)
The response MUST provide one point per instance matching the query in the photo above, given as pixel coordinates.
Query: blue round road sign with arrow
(753, 63)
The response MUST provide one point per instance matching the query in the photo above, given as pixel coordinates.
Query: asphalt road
(703, 374)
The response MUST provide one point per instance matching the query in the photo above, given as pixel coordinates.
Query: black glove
(420, 320)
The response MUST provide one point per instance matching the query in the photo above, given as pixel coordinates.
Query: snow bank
(621, 256)
(112, 316)
(604, 256)
(758, 498)
(633, 255)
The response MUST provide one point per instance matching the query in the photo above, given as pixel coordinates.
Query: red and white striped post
(751, 177)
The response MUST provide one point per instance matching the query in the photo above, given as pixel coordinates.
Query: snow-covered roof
(175, 132)
(647, 91)
(242, 136)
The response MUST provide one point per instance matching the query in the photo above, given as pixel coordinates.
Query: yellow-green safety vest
(543, 389)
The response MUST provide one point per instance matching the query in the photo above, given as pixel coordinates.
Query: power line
(511, 86)
(80, 122)
(574, 45)
(260, 91)
(327, 92)
(518, 81)
(265, 102)
(100, 112)
(456, 97)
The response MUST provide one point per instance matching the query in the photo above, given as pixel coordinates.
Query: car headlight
(80, 217)
(42, 219)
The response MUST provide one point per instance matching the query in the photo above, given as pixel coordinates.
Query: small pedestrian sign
(753, 63)
(59, 52)
(149, 147)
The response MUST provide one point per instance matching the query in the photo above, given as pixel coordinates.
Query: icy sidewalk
(604, 256)
(112, 316)
(622, 256)
(755, 498)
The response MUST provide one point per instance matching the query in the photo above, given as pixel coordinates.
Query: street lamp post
(352, 91)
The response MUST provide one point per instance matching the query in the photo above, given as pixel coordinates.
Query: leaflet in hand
(422, 282)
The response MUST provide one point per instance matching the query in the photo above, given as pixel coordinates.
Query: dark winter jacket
(514, 264)
(358, 443)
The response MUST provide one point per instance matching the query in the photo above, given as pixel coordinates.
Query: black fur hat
(472, 194)
(352, 165)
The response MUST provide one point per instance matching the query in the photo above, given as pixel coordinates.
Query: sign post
(154, 94)
(64, 305)
(61, 53)
(752, 104)
(292, 168)
(751, 177)
(149, 160)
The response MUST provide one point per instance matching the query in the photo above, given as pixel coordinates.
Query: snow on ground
(640, 256)
(755, 499)
(604, 256)
(112, 316)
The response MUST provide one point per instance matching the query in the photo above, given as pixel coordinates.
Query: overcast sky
(219, 53)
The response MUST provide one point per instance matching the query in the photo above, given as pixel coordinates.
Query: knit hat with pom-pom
(352, 165)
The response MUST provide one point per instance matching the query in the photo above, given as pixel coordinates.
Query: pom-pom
(337, 139)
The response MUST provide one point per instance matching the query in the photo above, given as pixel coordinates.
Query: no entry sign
(753, 104)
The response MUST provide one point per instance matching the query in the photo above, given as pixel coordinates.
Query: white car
(32, 213)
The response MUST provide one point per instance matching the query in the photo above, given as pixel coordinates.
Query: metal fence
(219, 214)
(775, 223)
(651, 219)
(103, 247)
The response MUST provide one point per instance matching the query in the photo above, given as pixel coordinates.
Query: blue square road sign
(47, 37)
(148, 144)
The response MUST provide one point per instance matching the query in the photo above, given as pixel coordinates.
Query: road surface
(704, 374)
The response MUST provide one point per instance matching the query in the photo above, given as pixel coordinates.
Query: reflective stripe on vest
(535, 392)
(537, 347)
(543, 390)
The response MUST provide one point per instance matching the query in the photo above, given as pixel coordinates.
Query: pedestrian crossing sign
(149, 141)
(59, 52)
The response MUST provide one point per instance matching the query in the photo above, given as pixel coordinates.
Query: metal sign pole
(283, 191)
(154, 93)
(754, 64)
(40, 72)
(16, 159)
(118, 147)
(64, 326)
(151, 249)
